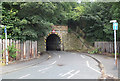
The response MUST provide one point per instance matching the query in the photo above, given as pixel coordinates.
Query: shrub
(12, 51)
(95, 51)
(114, 53)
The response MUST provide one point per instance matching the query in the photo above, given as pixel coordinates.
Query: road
(61, 65)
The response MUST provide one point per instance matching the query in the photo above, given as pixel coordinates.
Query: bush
(95, 51)
(12, 51)
(114, 53)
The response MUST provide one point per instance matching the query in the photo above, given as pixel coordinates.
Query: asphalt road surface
(61, 65)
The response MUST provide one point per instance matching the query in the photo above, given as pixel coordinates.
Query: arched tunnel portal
(53, 43)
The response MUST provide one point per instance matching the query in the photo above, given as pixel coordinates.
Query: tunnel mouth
(53, 43)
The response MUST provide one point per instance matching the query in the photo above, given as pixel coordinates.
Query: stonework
(69, 41)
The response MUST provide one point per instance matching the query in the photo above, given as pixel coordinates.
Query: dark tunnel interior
(53, 43)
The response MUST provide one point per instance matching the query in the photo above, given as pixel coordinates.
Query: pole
(6, 46)
(115, 47)
(115, 27)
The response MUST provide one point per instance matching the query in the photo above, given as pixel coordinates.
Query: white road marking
(53, 62)
(59, 56)
(73, 74)
(87, 63)
(92, 68)
(60, 74)
(45, 69)
(82, 56)
(67, 73)
(24, 76)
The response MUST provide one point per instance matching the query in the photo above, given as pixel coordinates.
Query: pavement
(108, 63)
(23, 64)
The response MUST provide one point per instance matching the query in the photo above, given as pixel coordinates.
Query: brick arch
(50, 35)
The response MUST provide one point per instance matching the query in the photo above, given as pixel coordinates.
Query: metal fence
(26, 50)
(107, 47)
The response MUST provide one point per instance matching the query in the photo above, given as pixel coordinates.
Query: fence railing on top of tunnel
(26, 50)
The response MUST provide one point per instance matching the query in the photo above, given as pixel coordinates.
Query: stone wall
(69, 41)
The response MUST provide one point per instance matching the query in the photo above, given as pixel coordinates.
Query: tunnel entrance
(53, 42)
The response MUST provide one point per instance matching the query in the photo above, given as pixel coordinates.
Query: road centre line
(45, 68)
(82, 56)
(67, 73)
(59, 56)
(24, 76)
(92, 68)
(73, 74)
(53, 62)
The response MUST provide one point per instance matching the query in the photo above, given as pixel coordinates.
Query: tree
(32, 20)
(94, 21)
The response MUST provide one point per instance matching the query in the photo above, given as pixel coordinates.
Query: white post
(115, 47)
(115, 43)
(6, 46)
(115, 27)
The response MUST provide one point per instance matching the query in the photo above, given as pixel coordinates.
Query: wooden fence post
(28, 49)
(19, 49)
(110, 47)
(4, 54)
(0, 50)
(118, 47)
(107, 47)
(8, 44)
(33, 50)
(22, 50)
(36, 49)
(17, 52)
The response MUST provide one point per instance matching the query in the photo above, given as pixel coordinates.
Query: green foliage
(114, 53)
(31, 20)
(94, 21)
(12, 51)
(69, 30)
(95, 51)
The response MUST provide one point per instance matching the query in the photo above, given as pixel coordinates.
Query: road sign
(115, 26)
(53, 31)
(5, 30)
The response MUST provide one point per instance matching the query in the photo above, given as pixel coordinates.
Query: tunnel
(53, 43)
